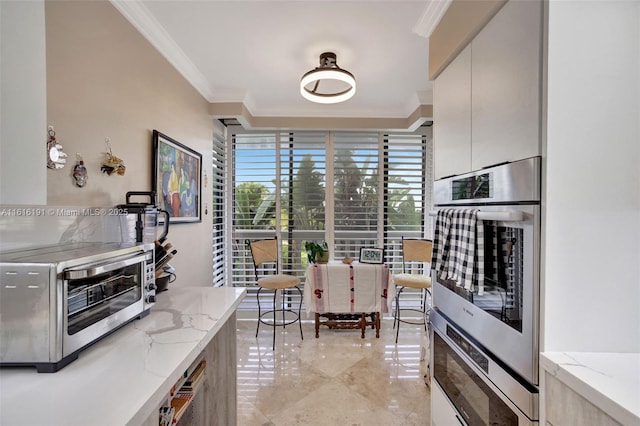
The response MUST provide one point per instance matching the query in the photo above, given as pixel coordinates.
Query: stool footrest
(277, 323)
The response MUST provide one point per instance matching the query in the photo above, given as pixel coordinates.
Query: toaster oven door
(99, 298)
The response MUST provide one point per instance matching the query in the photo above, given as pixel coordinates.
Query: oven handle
(80, 273)
(508, 216)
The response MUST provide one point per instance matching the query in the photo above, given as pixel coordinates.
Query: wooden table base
(349, 322)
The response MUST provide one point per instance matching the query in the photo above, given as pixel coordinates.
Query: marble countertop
(123, 378)
(610, 381)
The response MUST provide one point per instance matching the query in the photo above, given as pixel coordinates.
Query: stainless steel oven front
(504, 315)
(55, 301)
(470, 387)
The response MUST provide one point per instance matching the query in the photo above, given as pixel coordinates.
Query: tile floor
(337, 379)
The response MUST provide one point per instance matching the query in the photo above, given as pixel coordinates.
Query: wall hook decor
(112, 163)
(80, 175)
(56, 157)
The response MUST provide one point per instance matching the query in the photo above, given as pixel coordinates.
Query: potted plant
(317, 252)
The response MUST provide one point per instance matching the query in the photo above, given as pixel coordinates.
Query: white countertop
(610, 381)
(121, 379)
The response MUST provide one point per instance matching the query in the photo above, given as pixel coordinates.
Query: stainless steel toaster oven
(57, 300)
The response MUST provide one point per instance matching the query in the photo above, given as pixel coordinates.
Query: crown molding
(239, 111)
(431, 16)
(140, 17)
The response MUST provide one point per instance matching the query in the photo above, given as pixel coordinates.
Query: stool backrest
(415, 250)
(264, 252)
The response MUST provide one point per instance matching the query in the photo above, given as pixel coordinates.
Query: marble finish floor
(337, 379)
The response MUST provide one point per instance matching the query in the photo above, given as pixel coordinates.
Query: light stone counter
(125, 377)
(610, 381)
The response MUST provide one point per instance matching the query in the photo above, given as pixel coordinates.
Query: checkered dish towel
(458, 248)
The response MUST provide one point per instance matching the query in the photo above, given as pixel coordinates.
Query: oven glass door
(504, 282)
(95, 298)
(466, 390)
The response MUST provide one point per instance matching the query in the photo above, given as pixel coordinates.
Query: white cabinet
(442, 412)
(506, 86)
(487, 102)
(452, 117)
(23, 96)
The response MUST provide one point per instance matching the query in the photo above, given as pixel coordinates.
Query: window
(302, 178)
(407, 173)
(407, 196)
(356, 192)
(254, 201)
(377, 193)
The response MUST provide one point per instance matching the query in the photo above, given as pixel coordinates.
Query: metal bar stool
(415, 253)
(268, 276)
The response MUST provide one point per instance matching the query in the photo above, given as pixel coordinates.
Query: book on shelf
(179, 403)
(196, 378)
(182, 392)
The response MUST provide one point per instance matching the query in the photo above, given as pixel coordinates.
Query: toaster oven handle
(93, 270)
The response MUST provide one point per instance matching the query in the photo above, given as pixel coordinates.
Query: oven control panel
(150, 283)
(480, 360)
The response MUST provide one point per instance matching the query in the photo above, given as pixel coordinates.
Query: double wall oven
(489, 334)
(57, 300)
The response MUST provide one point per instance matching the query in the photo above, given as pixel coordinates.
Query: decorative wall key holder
(79, 172)
(112, 164)
(56, 157)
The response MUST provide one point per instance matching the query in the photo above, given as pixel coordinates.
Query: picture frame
(371, 255)
(177, 179)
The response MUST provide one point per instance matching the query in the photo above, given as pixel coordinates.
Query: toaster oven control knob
(151, 299)
(151, 286)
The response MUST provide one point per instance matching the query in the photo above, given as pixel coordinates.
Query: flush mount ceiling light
(339, 85)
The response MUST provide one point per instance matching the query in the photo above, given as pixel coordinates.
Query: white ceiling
(255, 52)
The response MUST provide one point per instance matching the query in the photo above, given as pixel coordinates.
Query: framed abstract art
(177, 179)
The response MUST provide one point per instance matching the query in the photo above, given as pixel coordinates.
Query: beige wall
(105, 80)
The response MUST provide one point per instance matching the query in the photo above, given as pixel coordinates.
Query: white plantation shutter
(407, 199)
(302, 177)
(356, 193)
(253, 202)
(405, 190)
(216, 183)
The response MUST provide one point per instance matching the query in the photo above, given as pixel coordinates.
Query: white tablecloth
(340, 288)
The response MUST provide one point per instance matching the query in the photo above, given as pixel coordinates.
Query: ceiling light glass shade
(327, 71)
